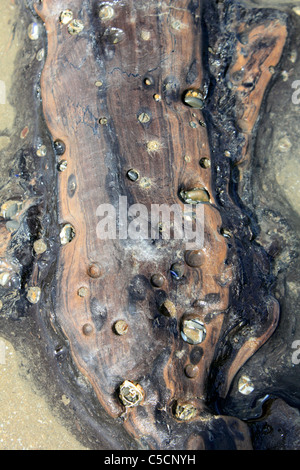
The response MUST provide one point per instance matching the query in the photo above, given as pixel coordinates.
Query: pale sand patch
(9, 48)
(26, 422)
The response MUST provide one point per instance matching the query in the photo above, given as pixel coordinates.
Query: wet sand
(26, 422)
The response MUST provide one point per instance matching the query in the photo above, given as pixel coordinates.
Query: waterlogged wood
(256, 56)
(113, 94)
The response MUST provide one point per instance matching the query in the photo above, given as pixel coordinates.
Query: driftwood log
(124, 92)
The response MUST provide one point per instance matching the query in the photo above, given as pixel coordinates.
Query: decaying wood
(256, 58)
(98, 96)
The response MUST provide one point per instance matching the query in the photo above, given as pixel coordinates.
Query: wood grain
(160, 53)
(256, 58)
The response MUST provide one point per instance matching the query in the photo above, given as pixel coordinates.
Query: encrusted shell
(75, 27)
(34, 295)
(185, 411)
(193, 331)
(195, 196)
(66, 16)
(194, 98)
(131, 394)
(67, 234)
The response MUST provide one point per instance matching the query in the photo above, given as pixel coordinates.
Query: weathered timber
(113, 93)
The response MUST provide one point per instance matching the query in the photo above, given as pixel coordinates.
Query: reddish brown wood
(106, 134)
(252, 69)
